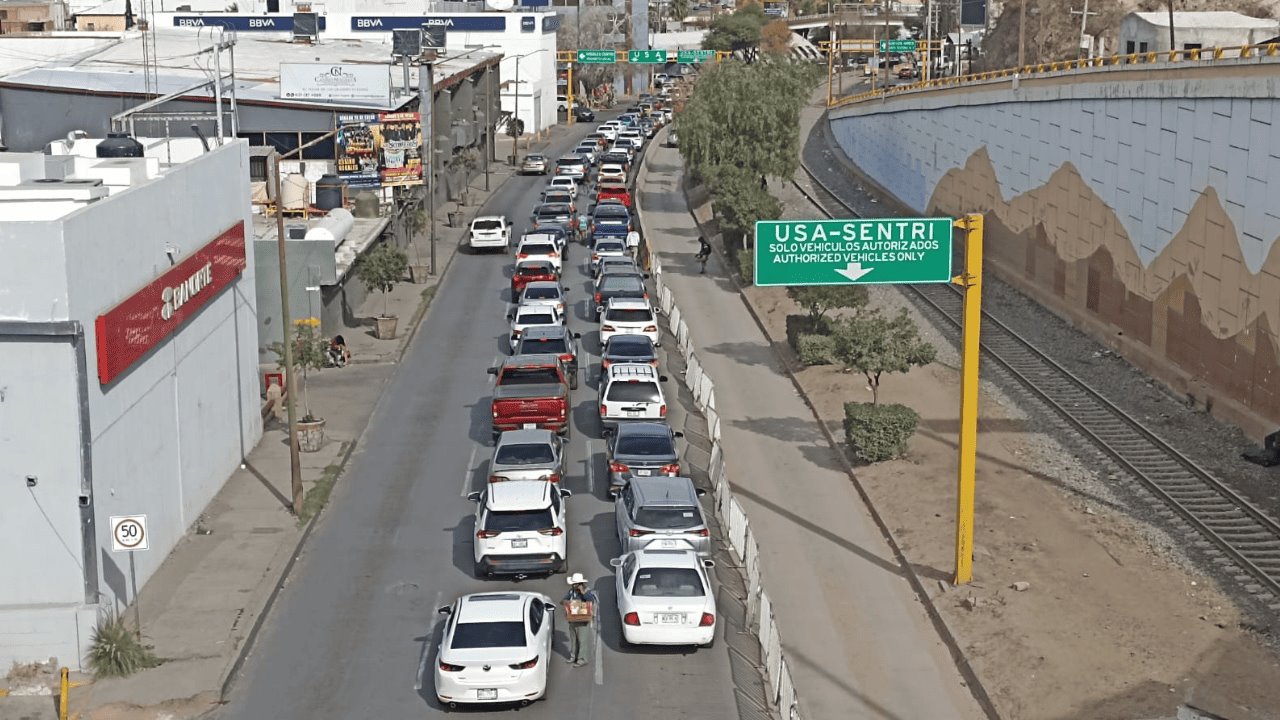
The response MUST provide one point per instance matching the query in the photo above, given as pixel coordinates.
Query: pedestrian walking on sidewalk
(580, 610)
(704, 252)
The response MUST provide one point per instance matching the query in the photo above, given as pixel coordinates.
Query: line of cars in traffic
(496, 645)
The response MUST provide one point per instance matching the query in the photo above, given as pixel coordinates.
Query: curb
(973, 683)
(228, 679)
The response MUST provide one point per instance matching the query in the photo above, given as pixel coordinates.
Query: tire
(573, 380)
(478, 569)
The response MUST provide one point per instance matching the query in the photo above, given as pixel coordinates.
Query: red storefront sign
(127, 331)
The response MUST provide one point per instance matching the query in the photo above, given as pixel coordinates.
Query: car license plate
(530, 426)
(519, 543)
(667, 543)
(633, 413)
(670, 618)
(644, 473)
(486, 693)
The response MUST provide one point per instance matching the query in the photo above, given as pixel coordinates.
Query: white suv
(628, 316)
(520, 528)
(490, 231)
(540, 246)
(631, 391)
(565, 183)
(524, 317)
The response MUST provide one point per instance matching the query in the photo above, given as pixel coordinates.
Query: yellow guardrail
(1083, 64)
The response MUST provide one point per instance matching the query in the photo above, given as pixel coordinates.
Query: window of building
(1142, 47)
(1191, 46)
(1130, 47)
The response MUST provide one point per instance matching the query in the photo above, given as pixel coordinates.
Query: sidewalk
(859, 644)
(203, 608)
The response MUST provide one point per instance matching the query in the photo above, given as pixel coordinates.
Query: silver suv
(661, 513)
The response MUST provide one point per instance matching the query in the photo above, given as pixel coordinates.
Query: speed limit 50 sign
(128, 532)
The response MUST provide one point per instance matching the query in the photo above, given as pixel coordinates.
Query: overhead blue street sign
(240, 23)
(462, 23)
(528, 24)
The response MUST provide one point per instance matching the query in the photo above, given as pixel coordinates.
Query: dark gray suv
(641, 449)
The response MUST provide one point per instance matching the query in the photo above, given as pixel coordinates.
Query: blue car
(610, 219)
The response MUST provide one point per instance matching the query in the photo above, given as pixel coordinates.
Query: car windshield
(525, 454)
(487, 225)
(645, 446)
(536, 318)
(611, 212)
(633, 392)
(531, 346)
(675, 517)
(518, 520)
(628, 315)
(553, 210)
(570, 162)
(618, 349)
(530, 376)
(536, 157)
(541, 293)
(621, 282)
(468, 636)
(667, 582)
(537, 249)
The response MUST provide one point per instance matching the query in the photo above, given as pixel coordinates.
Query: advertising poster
(401, 149)
(380, 150)
(358, 150)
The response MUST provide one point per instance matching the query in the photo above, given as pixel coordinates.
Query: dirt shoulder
(1114, 624)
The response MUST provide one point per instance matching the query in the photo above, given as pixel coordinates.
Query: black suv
(556, 340)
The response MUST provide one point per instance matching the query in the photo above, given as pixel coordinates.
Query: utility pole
(286, 327)
(928, 40)
(488, 121)
(1022, 34)
(1084, 18)
(1172, 45)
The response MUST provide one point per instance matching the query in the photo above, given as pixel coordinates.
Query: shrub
(746, 260)
(116, 650)
(798, 325)
(878, 432)
(381, 268)
(815, 349)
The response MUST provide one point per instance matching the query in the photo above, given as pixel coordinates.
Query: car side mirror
(549, 607)
(511, 316)
(616, 562)
(444, 610)
(492, 371)
(564, 289)
(708, 564)
(657, 311)
(699, 492)
(577, 336)
(599, 309)
(473, 496)
(678, 434)
(662, 378)
(565, 492)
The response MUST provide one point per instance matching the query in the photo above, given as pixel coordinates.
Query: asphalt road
(354, 633)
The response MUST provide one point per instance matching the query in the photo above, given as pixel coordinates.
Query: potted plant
(418, 270)
(309, 351)
(466, 162)
(380, 269)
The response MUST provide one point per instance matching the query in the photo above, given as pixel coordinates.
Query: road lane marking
(591, 469)
(426, 651)
(466, 474)
(599, 657)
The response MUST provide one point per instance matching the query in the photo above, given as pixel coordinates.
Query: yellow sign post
(971, 281)
(569, 94)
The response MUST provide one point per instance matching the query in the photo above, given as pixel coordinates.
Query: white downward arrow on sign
(854, 271)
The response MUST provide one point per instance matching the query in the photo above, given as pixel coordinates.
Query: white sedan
(495, 649)
(665, 598)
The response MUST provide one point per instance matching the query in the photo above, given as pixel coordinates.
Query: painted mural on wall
(1153, 221)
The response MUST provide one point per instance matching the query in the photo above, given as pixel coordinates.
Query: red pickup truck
(533, 391)
(614, 191)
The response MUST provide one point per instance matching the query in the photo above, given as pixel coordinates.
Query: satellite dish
(499, 5)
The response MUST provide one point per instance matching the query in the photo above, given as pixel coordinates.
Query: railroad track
(1227, 521)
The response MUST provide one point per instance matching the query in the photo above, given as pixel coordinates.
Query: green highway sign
(650, 57)
(888, 46)
(694, 56)
(598, 57)
(844, 252)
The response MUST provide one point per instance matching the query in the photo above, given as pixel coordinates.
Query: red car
(528, 271)
(613, 191)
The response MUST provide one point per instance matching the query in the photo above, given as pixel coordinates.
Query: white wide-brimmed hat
(577, 578)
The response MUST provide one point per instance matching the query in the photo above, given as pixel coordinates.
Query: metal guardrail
(1196, 55)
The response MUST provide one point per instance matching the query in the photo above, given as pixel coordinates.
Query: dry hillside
(1052, 30)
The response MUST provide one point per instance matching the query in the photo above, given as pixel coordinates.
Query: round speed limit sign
(128, 533)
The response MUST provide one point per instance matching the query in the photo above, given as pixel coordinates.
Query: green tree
(736, 30)
(310, 354)
(739, 199)
(818, 300)
(775, 38)
(873, 344)
(381, 268)
(679, 10)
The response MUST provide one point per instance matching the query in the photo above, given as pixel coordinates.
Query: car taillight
(672, 469)
(634, 532)
(632, 619)
(595, 257)
(653, 363)
(702, 533)
(604, 410)
(566, 358)
(498, 478)
(618, 468)
(446, 667)
(606, 328)
(554, 477)
(707, 620)
(662, 411)
(650, 328)
(597, 298)
(526, 665)
(521, 256)
(554, 532)
(486, 534)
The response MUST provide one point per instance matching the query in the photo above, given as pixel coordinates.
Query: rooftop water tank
(333, 226)
(119, 145)
(329, 192)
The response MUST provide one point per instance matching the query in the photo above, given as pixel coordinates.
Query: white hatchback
(665, 598)
(490, 231)
(628, 316)
(540, 247)
(520, 528)
(495, 649)
(524, 317)
(631, 391)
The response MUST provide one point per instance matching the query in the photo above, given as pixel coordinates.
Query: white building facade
(1142, 32)
(127, 376)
